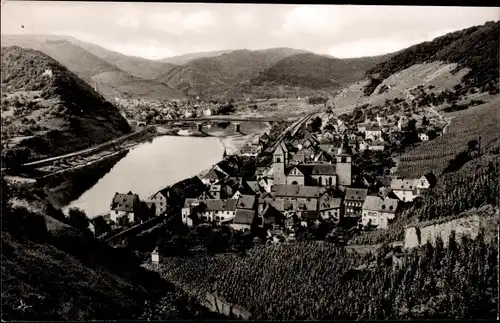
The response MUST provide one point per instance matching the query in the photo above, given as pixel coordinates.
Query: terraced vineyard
(304, 281)
(433, 156)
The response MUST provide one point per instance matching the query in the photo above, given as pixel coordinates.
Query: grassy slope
(67, 115)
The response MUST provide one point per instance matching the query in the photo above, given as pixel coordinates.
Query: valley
(274, 184)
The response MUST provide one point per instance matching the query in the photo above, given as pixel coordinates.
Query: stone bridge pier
(237, 126)
(199, 126)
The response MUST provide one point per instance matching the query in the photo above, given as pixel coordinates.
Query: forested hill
(475, 48)
(316, 71)
(48, 110)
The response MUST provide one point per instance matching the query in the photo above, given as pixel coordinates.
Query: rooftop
(356, 194)
(220, 205)
(375, 203)
(125, 202)
(244, 216)
(246, 202)
(298, 191)
(403, 184)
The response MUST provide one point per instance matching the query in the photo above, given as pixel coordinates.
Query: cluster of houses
(377, 134)
(142, 111)
(301, 183)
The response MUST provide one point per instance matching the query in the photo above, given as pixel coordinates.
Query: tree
(78, 219)
(101, 226)
(316, 124)
(217, 241)
(425, 122)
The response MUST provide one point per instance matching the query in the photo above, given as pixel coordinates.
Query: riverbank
(63, 187)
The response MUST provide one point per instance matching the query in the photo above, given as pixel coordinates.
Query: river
(154, 165)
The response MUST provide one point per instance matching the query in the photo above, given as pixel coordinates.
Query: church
(336, 175)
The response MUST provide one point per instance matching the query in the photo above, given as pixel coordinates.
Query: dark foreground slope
(52, 271)
(48, 110)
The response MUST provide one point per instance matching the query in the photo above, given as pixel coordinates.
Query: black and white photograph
(166, 161)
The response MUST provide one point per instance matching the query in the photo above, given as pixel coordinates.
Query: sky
(159, 30)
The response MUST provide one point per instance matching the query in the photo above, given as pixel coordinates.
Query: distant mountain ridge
(118, 75)
(213, 76)
(186, 58)
(264, 73)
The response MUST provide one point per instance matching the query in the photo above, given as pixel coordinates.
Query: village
(143, 112)
(304, 181)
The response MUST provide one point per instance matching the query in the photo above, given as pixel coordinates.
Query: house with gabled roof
(378, 211)
(353, 201)
(373, 133)
(174, 195)
(308, 141)
(271, 216)
(159, 199)
(213, 176)
(330, 207)
(217, 210)
(126, 209)
(405, 189)
(246, 210)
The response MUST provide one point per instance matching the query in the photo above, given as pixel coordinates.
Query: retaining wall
(470, 226)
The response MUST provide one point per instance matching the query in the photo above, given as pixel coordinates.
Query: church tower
(344, 159)
(279, 163)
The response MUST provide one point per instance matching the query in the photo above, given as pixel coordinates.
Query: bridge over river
(200, 121)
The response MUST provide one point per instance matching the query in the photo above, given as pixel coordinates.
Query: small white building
(362, 127)
(188, 113)
(156, 258)
(207, 112)
(373, 133)
(376, 147)
(405, 189)
(423, 136)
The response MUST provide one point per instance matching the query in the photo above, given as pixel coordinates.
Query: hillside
(475, 48)
(117, 75)
(319, 281)
(48, 110)
(454, 67)
(122, 85)
(75, 58)
(136, 66)
(214, 76)
(53, 271)
(306, 74)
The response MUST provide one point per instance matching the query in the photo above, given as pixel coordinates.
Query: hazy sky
(156, 30)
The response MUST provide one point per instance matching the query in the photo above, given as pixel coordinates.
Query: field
(309, 280)
(434, 156)
(285, 274)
